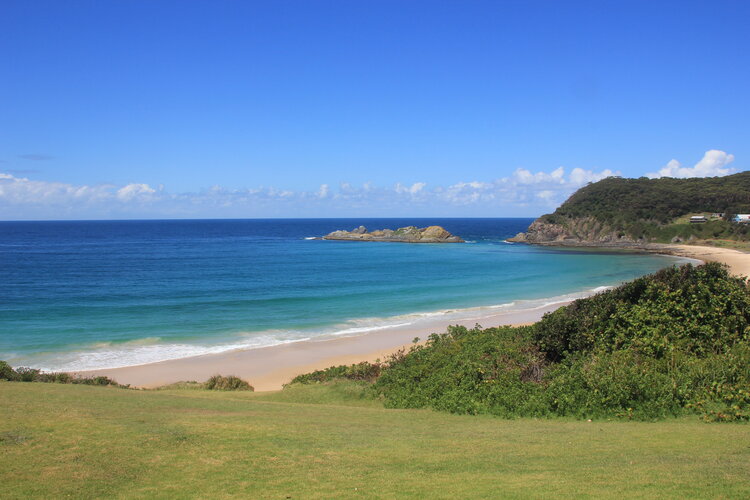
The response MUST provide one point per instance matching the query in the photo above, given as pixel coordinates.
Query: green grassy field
(60, 441)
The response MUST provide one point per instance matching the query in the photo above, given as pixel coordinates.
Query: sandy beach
(737, 261)
(268, 368)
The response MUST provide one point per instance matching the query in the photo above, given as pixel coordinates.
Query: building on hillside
(717, 215)
(741, 218)
(697, 219)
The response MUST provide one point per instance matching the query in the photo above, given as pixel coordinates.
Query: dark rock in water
(409, 234)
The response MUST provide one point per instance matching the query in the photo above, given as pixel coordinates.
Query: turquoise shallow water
(94, 294)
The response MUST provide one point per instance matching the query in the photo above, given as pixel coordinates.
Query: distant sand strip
(268, 368)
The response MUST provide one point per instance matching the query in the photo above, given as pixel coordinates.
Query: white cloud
(413, 189)
(21, 197)
(711, 165)
(546, 195)
(21, 190)
(523, 176)
(417, 187)
(523, 188)
(131, 191)
(580, 177)
(524, 192)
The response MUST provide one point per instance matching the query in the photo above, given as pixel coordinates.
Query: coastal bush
(98, 380)
(25, 374)
(697, 309)
(230, 383)
(7, 372)
(725, 403)
(28, 374)
(622, 383)
(496, 371)
(183, 384)
(363, 371)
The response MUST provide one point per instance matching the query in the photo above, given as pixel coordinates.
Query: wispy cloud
(36, 157)
(535, 191)
(522, 193)
(712, 164)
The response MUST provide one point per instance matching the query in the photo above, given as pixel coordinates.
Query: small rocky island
(409, 234)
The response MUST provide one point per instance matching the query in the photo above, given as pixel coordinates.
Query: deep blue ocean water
(93, 294)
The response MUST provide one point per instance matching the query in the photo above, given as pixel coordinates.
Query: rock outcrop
(574, 232)
(409, 234)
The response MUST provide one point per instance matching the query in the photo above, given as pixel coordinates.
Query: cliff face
(584, 231)
(409, 234)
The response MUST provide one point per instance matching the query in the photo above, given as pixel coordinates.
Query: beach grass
(326, 441)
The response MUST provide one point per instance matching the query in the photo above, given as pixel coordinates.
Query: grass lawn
(59, 441)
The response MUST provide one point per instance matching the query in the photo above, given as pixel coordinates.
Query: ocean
(104, 294)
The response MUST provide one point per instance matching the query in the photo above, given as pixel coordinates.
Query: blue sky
(153, 108)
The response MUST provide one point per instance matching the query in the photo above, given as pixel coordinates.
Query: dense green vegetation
(229, 383)
(650, 208)
(327, 441)
(672, 343)
(363, 371)
(24, 374)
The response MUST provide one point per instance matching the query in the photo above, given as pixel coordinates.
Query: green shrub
(230, 383)
(7, 372)
(363, 371)
(725, 403)
(190, 384)
(98, 380)
(622, 383)
(698, 309)
(472, 371)
(27, 374)
(24, 374)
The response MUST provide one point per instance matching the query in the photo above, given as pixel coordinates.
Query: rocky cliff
(409, 234)
(585, 231)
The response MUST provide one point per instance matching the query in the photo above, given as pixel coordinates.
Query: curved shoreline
(737, 260)
(268, 368)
